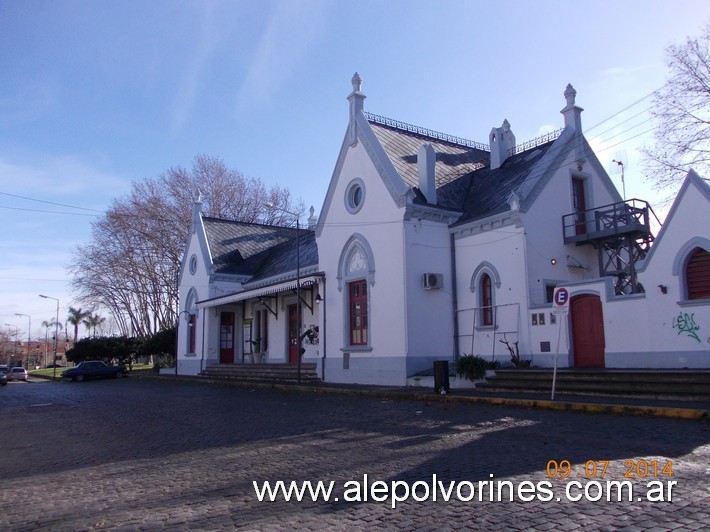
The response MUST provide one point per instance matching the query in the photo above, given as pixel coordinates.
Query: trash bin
(441, 376)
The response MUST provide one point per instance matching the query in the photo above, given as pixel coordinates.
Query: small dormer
(426, 165)
(501, 141)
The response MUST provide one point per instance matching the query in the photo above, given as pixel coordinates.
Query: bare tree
(131, 265)
(682, 112)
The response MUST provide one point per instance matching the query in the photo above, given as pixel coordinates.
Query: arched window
(486, 301)
(697, 274)
(484, 281)
(192, 333)
(191, 320)
(356, 274)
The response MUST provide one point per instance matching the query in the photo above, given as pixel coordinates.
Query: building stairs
(277, 373)
(677, 385)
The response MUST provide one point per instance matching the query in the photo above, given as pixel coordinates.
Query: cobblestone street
(139, 454)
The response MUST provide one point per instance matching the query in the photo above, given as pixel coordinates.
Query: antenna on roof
(618, 166)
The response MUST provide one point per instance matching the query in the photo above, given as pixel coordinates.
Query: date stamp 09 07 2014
(599, 468)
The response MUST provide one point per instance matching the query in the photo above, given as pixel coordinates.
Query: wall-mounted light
(664, 288)
(553, 261)
(318, 298)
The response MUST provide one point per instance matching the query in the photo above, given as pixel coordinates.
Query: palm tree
(75, 317)
(91, 321)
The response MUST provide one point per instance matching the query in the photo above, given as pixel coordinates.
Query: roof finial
(570, 94)
(357, 82)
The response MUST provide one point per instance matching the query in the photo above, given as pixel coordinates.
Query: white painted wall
(379, 222)
(503, 247)
(189, 363)
(429, 325)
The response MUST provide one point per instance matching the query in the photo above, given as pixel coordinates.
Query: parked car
(49, 366)
(17, 374)
(93, 369)
(3, 378)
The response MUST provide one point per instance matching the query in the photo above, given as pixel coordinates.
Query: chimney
(501, 141)
(426, 164)
(357, 105)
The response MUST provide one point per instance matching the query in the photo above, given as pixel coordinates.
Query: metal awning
(256, 292)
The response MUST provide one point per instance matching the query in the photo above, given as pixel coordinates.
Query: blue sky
(95, 95)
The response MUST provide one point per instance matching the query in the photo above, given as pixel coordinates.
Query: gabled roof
(256, 250)
(464, 179)
(454, 156)
(281, 259)
(485, 192)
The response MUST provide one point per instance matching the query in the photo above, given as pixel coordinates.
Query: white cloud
(291, 32)
(61, 179)
(207, 39)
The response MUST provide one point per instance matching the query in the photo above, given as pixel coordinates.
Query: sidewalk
(637, 406)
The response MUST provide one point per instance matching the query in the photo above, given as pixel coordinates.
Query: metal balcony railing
(628, 218)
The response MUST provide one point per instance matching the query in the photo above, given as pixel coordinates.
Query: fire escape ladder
(622, 235)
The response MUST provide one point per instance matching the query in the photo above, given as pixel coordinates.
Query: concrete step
(691, 385)
(262, 372)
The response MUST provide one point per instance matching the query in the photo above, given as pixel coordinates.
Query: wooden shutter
(697, 274)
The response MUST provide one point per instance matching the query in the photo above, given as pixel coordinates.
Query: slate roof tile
(242, 248)
(464, 179)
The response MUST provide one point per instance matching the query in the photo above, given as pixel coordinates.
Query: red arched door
(587, 331)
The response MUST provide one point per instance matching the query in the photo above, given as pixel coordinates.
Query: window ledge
(486, 327)
(694, 302)
(356, 349)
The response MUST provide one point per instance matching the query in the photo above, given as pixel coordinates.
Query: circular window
(193, 264)
(355, 195)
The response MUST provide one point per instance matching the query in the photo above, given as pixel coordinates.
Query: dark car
(3, 378)
(93, 369)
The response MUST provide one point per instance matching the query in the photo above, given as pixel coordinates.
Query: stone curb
(593, 408)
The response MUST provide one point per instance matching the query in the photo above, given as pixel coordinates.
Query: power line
(50, 202)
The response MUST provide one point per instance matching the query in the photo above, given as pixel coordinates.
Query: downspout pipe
(325, 333)
(454, 296)
(202, 358)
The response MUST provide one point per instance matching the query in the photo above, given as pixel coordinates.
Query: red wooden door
(226, 338)
(293, 329)
(587, 331)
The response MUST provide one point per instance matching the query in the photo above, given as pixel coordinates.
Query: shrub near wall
(471, 367)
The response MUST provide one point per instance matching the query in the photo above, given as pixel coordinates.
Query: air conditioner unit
(433, 281)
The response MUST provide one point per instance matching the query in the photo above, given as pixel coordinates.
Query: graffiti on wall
(685, 323)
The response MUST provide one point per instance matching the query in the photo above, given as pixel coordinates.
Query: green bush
(471, 367)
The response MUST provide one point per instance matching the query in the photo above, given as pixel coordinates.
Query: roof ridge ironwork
(410, 128)
(537, 141)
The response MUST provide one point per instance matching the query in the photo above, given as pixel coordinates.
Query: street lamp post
(29, 338)
(298, 286)
(56, 335)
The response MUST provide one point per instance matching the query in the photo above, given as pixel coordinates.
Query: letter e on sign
(560, 301)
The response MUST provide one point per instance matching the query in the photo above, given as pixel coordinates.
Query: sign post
(560, 307)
